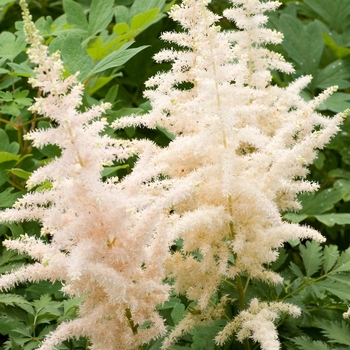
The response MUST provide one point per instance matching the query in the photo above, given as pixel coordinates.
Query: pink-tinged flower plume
(105, 243)
(241, 147)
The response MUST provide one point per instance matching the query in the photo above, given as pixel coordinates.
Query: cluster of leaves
(95, 38)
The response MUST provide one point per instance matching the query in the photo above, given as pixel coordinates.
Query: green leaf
(20, 173)
(203, 336)
(336, 73)
(144, 19)
(75, 58)
(6, 96)
(6, 156)
(101, 13)
(334, 12)
(343, 263)
(75, 14)
(4, 140)
(306, 343)
(110, 170)
(312, 257)
(22, 70)
(98, 50)
(339, 51)
(340, 279)
(7, 326)
(336, 332)
(10, 46)
(112, 95)
(7, 198)
(178, 313)
(122, 14)
(321, 202)
(116, 59)
(16, 229)
(319, 161)
(98, 83)
(338, 102)
(11, 108)
(340, 290)
(12, 299)
(304, 44)
(331, 255)
(295, 269)
(121, 28)
(339, 173)
(335, 218)
(141, 6)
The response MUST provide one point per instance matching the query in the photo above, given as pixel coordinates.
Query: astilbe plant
(238, 160)
(102, 236)
(241, 150)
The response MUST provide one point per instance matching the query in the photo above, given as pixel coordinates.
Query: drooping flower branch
(104, 242)
(241, 150)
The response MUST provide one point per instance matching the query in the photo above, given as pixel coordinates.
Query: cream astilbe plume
(241, 147)
(105, 244)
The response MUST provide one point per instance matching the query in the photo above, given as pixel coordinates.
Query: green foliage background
(111, 43)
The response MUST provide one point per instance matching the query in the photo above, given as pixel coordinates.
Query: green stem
(305, 284)
(241, 294)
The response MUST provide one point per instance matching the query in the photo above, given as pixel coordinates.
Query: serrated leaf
(101, 13)
(12, 299)
(312, 257)
(336, 332)
(343, 263)
(339, 278)
(340, 290)
(7, 326)
(70, 304)
(306, 343)
(331, 255)
(295, 269)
